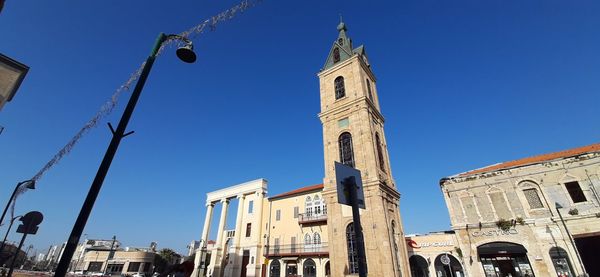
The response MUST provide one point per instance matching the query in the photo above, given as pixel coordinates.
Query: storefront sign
(495, 233)
(416, 245)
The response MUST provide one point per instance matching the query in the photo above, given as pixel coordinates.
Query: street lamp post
(559, 206)
(8, 231)
(30, 184)
(184, 53)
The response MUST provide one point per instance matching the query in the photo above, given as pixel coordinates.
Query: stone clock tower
(353, 134)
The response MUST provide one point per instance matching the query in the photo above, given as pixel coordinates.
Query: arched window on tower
(346, 151)
(379, 152)
(369, 90)
(352, 249)
(336, 55)
(340, 91)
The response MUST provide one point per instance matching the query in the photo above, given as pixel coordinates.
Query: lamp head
(30, 184)
(186, 53)
(557, 205)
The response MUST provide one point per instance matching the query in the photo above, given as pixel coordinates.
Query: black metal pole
(572, 243)
(9, 201)
(12, 265)
(7, 232)
(118, 134)
(350, 186)
(108, 256)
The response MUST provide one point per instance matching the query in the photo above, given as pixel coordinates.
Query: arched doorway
(275, 269)
(447, 265)
(560, 260)
(504, 259)
(327, 269)
(418, 266)
(309, 269)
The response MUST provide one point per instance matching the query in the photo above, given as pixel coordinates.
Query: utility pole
(109, 252)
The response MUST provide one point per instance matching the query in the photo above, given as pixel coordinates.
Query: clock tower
(353, 134)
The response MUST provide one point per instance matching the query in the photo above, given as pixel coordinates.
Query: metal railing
(312, 217)
(321, 249)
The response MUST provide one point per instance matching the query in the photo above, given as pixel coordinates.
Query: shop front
(504, 259)
(435, 255)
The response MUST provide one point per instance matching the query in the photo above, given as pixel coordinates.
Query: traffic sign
(343, 172)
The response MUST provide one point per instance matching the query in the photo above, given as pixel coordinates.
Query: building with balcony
(537, 216)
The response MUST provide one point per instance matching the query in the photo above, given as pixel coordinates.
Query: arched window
(379, 152)
(369, 90)
(533, 198)
(352, 249)
(346, 152)
(309, 268)
(317, 239)
(418, 266)
(275, 268)
(308, 206)
(336, 55)
(560, 260)
(307, 239)
(317, 204)
(340, 91)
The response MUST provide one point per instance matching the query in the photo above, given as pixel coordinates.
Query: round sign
(445, 259)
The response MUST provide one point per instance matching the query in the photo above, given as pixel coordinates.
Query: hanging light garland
(106, 109)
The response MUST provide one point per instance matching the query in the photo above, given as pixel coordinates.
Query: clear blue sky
(462, 84)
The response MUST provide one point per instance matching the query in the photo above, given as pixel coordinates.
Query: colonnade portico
(243, 254)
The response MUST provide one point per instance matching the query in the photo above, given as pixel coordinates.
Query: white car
(139, 275)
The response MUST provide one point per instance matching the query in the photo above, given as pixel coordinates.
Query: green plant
(458, 252)
(597, 214)
(503, 224)
(520, 220)
(574, 211)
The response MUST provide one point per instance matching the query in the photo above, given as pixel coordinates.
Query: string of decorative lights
(210, 23)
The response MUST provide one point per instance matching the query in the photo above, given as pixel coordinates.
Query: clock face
(340, 41)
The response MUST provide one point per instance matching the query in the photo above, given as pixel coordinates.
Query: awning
(496, 248)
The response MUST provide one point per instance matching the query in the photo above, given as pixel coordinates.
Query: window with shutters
(533, 198)
(340, 90)
(346, 151)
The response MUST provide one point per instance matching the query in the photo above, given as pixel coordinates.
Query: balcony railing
(312, 218)
(293, 250)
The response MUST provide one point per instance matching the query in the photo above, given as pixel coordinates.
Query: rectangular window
(95, 266)
(296, 211)
(248, 229)
(133, 267)
(533, 198)
(575, 192)
(250, 206)
(278, 215)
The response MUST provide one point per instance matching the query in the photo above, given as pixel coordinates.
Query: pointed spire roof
(342, 47)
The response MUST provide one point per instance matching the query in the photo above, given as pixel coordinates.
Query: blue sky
(462, 84)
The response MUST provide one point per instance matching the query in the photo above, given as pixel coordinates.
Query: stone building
(118, 262)
(435, 254)
(537, 216)
(306, 231)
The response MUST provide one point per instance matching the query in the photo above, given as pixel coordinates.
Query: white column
(207, 221)
(201, 252)
(221, 228)
(216, 257)
(234, 269)
(238, 221)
